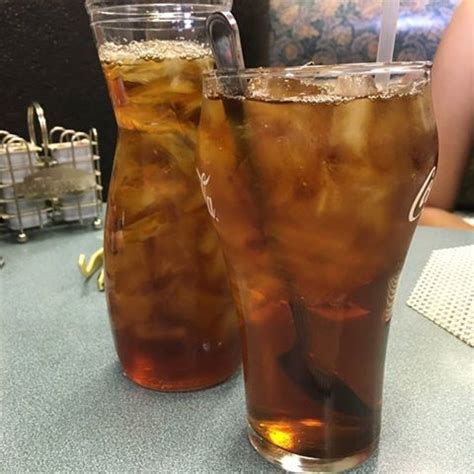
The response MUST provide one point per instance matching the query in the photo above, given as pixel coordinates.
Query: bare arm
(453, 99)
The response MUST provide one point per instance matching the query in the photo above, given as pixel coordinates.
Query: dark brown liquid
(318, 393)
(169, 302)
(313, 201)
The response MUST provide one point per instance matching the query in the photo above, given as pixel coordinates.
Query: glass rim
(162, 23)
(124, 7)
(103, 13)
(323, 71)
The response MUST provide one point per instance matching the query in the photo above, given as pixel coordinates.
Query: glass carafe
(169, 303)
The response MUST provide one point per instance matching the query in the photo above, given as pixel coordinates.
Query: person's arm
(432, 216)
(453, 100)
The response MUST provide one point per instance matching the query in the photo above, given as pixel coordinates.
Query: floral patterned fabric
(346, 31)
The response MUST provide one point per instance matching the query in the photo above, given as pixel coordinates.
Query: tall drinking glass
(170, 305)
(315, 180)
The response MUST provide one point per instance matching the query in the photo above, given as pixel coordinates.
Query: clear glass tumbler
(170, 306)
(316, 178)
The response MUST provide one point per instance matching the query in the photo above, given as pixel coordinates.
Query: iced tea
(169, 302)
(316, 188)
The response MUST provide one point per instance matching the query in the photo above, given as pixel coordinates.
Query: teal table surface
(66, 407)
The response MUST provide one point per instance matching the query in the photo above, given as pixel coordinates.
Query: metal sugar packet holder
(54, 181)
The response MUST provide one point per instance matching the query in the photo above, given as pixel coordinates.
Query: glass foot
(291, 462)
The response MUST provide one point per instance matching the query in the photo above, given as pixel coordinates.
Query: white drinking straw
(388, 32)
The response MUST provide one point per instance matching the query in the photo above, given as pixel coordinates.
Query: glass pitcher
(169, 303)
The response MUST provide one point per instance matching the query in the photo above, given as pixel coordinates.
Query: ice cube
(284, 89)
(350, 130)
(284, 145)
(133, 307)
(168, 331)
(162, 91)
(128, 272)
(208, 241)
(143, 72)
(181, 147)
(227, 324)
(348, 86)
(214, 269)
(158, 223)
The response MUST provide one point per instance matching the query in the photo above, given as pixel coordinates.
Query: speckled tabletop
(65, 407)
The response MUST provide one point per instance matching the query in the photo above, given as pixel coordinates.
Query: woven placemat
(445, 291)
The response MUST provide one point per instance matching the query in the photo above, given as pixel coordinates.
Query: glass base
(292, 462)
(192, 385)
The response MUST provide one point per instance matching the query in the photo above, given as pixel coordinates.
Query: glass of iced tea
(316, 179)
(169, 300)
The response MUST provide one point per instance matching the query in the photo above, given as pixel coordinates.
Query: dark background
(47, 54)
